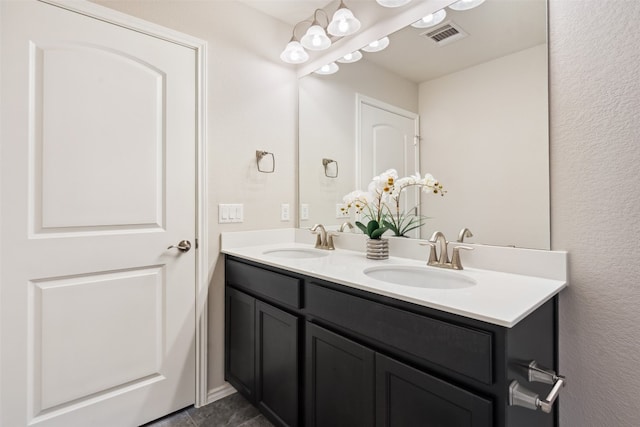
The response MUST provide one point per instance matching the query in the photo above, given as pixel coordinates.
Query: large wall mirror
(478, 104)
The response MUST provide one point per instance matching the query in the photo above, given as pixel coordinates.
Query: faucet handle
(330, 237)
(433, 256)
(321, 235)
(456, 264)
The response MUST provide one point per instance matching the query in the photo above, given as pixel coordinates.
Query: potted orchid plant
(380, 207)
(399, 222)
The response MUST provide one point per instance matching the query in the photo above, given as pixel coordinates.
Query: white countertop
(497, 297)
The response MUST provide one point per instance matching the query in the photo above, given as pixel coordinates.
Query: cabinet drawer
(260, 282)
(463, 350)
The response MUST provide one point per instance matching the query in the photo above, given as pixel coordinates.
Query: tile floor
(232, 411)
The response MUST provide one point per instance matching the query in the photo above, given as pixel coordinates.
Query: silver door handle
(522, 396)
(182, 246)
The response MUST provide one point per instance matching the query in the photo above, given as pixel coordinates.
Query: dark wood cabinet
(261, 356)
(240, 342)
(314, 353)
(407, 397)
(277, 370)
(339, 380)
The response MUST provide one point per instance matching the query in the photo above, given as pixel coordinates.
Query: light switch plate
(304, 212)
(284, 212)
(228, 213)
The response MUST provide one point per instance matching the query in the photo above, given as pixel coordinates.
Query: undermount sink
(296, 253)
(420, 277)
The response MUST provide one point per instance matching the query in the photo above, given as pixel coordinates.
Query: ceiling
(495, 28)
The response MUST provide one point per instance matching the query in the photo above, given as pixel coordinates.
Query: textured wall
(595, 204)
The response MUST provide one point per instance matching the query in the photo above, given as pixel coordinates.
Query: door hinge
(416, 140)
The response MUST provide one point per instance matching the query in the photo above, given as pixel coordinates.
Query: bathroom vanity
(309, 351)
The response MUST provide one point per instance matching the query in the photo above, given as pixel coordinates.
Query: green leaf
(371, 227)
(391, 226)
(361, 226)
(378, 232)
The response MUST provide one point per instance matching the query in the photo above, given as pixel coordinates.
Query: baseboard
(220, 392)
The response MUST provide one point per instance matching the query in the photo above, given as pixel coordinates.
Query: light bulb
(327, 69)
(315, 38)
(343, 23)
(343, 26)
(351, 57)
(377, 45)
(431, 19)
(294, 53)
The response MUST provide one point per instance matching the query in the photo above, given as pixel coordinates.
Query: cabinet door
(240, 342)
(406, 397)
(339, 381)
(277, 364)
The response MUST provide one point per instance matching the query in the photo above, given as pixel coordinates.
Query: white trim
(202, 263)
(220, 392)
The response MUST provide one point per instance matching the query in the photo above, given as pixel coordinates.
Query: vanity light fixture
(294, 53)
(431, 19)
(343, 22)
(328, 69)
(316, 38)
(377, 46)
(350, 58)
(392, 3)
(465, 4)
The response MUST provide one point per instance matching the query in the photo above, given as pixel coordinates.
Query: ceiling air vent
(445, 33)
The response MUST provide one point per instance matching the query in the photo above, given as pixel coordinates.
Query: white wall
(595, 215)
(490, 150)
(328, 130)
(252, 99)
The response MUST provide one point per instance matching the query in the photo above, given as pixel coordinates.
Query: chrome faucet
(346, 225)
(465, 232)
(324, 239)
(442, 261)
(438, 237)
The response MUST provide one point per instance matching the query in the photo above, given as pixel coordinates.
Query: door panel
(277, 390)
(100, 352)
(98, 179)
(339, 380)
(406, 397)
(388, 140)
(116, 183)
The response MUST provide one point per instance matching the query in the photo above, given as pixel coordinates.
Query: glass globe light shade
(327, 69)
(343, 23)
(294, 53)
(431, 19)
(351, 57)
(392, 3)
(315, 38)
(465, 4)
(377, 46)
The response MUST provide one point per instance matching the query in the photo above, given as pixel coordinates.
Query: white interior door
(98, 179)
(388, 139)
